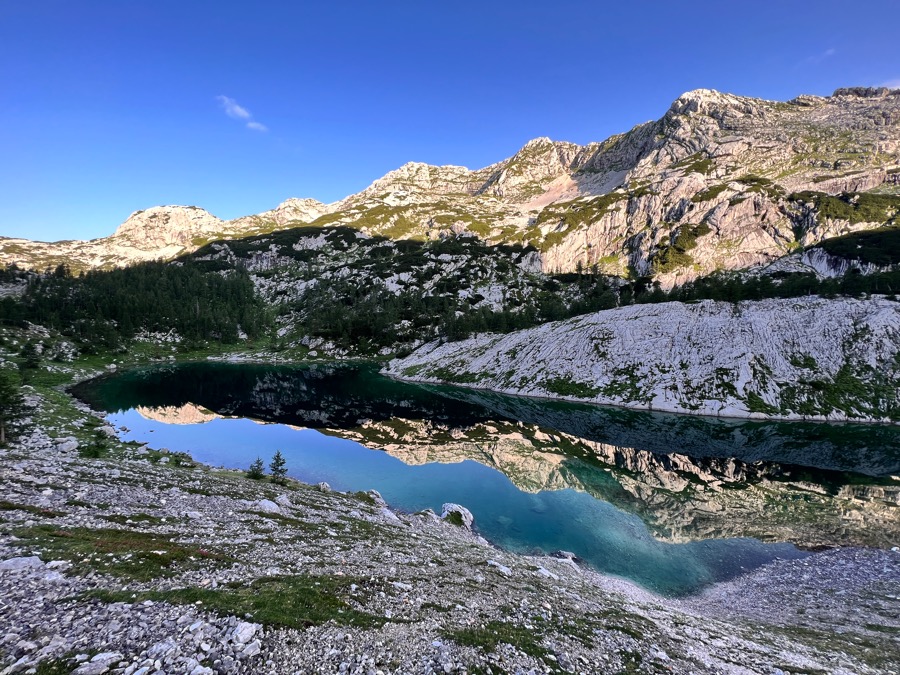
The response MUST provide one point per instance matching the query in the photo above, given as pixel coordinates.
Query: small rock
(503, 569)
(252, 649)
(244, 632)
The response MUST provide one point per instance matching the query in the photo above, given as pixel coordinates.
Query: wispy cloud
(232, 109)
(238, 112)
(892, 84)
(816, 59)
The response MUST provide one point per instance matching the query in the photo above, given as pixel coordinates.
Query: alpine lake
(671, 502)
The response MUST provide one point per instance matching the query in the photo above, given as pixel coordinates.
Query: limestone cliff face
(742, 180)
(803, 358)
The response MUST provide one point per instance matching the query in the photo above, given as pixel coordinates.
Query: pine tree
(31, 361)
(278, 467)
(256, 470)
(12, 405)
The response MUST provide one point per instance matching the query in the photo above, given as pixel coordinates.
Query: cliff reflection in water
(688, 478)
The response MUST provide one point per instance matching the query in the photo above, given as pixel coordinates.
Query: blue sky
(111, 106)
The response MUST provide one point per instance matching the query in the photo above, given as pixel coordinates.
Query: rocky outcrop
(161, 227)
(808, 358)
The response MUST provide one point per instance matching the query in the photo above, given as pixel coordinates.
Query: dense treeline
(356, 314)
(102, 309)
(598, 293)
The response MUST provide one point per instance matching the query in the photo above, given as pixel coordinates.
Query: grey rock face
(749, 359)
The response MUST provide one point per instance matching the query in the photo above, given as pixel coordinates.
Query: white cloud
(239, 112)
(232, 109)
(892, 84)
(818, 58)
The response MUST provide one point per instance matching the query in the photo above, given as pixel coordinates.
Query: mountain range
(719, 182)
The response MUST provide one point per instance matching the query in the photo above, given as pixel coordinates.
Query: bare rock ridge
(724, 181)
(810, 358)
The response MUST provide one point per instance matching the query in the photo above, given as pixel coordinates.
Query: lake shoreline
(756, 417)
(407, 567)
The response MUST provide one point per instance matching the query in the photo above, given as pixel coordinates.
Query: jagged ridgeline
(719, 182)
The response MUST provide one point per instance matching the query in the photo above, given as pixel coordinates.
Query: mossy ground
(122, 553)
(297, 601)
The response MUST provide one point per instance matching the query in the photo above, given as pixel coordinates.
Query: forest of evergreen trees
(104, 309)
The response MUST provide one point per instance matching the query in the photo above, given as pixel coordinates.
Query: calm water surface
(664, 500)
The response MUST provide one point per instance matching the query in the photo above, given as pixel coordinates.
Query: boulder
(22, 563)
(266, 506)
(464, 515)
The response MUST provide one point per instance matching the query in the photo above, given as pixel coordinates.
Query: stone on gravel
(244, 632)
(23, 563)
(503, 569)
(266, 506)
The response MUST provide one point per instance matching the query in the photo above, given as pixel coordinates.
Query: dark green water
(629, 492)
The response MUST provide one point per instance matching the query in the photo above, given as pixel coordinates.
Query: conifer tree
(278, 467)
(256, 470)
(12, 405)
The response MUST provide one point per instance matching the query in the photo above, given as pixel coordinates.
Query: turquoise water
(349, 400)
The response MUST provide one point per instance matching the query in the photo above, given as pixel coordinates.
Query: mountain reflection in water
(687, 478)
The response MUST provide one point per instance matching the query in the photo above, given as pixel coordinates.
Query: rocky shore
(118, 559)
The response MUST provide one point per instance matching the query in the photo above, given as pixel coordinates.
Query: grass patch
(709, 193)
(675, 255)
(287, 601)
(455, 518)
(61, 666)
(122, 553)
(28, 508)
(566, 387)
(495, 633)
(135, 519)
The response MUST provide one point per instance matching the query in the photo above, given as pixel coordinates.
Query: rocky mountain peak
(715, 104)
(415, 177)
(164, 226)
(293, 209)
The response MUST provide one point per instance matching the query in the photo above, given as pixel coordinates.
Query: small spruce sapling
(12, 404)
(256, 471)
(278, 467)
